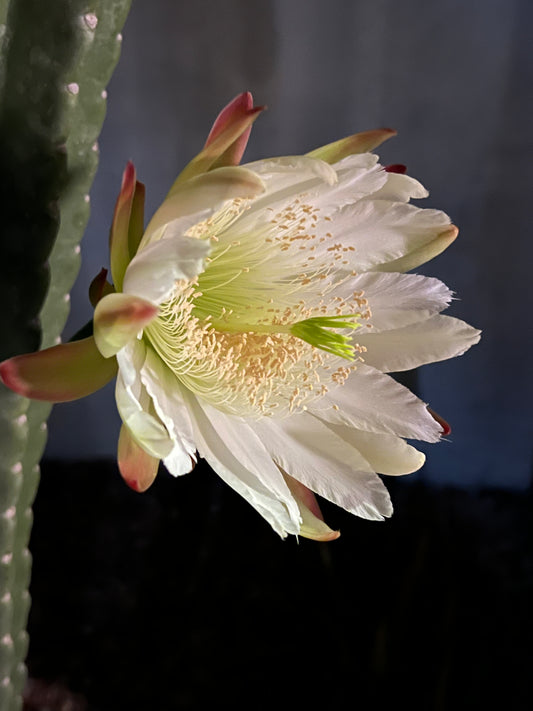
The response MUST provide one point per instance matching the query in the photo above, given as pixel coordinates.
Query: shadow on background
(184, 597)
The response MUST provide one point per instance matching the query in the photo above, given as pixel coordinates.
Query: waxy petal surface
(169, 404)
(435, 339)
(417, 255)
(59, 374)
(118, 318)
(135, 404)
(374, 402)
(204, 194)
(151, 275)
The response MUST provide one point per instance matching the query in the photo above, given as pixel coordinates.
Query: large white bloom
(256, 324)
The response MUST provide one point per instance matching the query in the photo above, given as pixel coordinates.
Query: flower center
(241, 336)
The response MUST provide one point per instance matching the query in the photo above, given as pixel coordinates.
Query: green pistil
(316, 331)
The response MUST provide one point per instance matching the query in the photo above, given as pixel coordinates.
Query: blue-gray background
(454, 77)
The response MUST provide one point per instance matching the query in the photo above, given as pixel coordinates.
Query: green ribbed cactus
(56, 60)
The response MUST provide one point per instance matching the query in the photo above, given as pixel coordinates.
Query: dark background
(184, 596)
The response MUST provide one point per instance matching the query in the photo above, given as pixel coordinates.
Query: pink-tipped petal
(240, 106)
(99, 287)
(446, 427)
(138, 468)
(227, 140)
(313, 525)
(117, 319)
(363, 142)
(119, 248)
(59, 374)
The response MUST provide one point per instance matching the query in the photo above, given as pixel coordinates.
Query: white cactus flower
(255, 320)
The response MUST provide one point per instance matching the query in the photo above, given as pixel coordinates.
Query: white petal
(435, 339)
(289, 171)
(359, 177)
(430, 248)
(311, 453)
(395, 300)
(400, 188)
(134, 403)
(375, 402)
(118, 318)
(152, 273)
(386, 454)
(381, 231)
(222, 443)
(205, 192)
(166, 393)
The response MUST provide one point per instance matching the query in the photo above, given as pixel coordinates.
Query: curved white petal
(239, 458)
(395, 300)
(313, 525)
(290, 171)
(386, 454)
(314, 455)
(166, 393)
(380, 231)
(400, 188)
(359, 176)
(375, 402)
(429, 341)
(205, 192)
(153, 272)
(118, 318)
(134, 403)
(433, 245)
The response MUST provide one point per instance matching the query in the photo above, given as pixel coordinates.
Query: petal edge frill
(395, 300)
(374, 402)
(382, 232)
(430, 341)
(311, 453)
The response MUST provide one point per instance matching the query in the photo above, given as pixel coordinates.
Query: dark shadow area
(184, 598)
